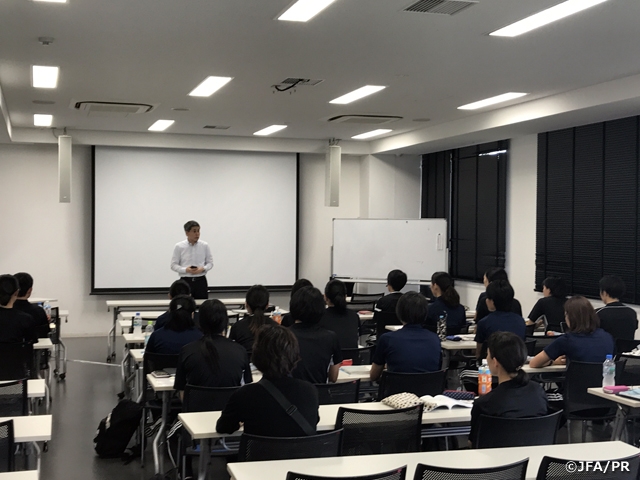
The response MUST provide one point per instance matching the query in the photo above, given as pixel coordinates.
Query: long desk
(24, 475)
(627, 407)
(31, 429)
(369, 464)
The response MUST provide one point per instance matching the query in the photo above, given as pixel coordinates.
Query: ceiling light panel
(304, 10)
(51, 1)
(44, 77)
(161, 125)
(357, 94)
(546, 17)
(372, 133)
(40, 120)
(505, 97)
(210, 86)
(270, 130)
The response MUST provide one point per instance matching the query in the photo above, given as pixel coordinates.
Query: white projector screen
(245, 203)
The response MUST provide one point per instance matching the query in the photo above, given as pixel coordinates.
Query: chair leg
(584, 431)
(568, 431)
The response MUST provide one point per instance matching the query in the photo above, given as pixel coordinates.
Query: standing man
(192, 260)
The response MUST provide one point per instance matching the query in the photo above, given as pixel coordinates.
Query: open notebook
(442, 401)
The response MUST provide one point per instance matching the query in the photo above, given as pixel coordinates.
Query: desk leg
(37, 449)
(620, 423)
(126, 368)
(159, 439)
(111, 337)
(203, 463)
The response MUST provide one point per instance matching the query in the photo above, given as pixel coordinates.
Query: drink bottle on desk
(484, 378)
(609, 372)
(277, 315)
(148, 330)
(442, 327)
(137, 324)
(47, 309)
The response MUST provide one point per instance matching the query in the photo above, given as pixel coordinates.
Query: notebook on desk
(633, 394)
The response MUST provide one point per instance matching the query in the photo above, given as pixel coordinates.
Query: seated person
(551, 305)
(213, 360)
(396, 280)
(179, 287)
(584, 342)
(495, 273)
(244, 331)
(179, 329)
(447, 304)
(515, 396)
(287, 319)
(320, 355)
(275, 354)
(338, 318)
(37, 313)
(616, 318)
(15, 326)
(501, 319)
(412, 349)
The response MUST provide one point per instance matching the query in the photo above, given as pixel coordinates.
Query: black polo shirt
(412, 349)
(388, 302)
(582, 347)
(499, 322)
(16, 327)
(552, 308)
(170, 342)
(162, 320)
(318, 348)
(37, 313)
(456, 317)
(482, 310)
(618, 320)
(242, 334)
(345, 324)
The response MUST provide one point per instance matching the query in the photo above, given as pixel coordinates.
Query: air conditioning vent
(112, 109)
(217, 127)
(365, 119)
(300, 82)
(440, 7)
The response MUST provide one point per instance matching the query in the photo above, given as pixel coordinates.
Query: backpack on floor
(115, 431)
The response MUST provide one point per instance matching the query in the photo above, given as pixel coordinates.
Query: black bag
(115, 431)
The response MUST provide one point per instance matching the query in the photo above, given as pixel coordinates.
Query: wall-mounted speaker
(332, 182)
(64, 168)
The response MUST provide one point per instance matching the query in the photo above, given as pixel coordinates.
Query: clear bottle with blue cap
(609, 372)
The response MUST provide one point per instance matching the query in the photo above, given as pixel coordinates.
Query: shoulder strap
(288, 407)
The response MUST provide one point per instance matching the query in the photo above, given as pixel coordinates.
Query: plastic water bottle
(609, 372)
(47, 309)
(484, 379)
(137, 324)
(148, 330)
(442, 326)
(277, 315)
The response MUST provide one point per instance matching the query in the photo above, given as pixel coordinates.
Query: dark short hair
(581, 315)
(213, 317)
(179, 287)
(444, 282)
(275, 351)
(510, 352)
(412, 308)
(307, 305)
(397, 279)
(556, 286)
(8, 286)
(501, 293)
(25, 281)
(190, 224)
(181, 318)
(336, 292)
(496, 273)
(613, 286)
(301, 282)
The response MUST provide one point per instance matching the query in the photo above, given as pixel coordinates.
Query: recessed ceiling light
(304, 10)
(357, 94)
(372, 133)
(44, 102)
(270, 130)
(180, 109)
(161, 125)
(209, 86)
(51, 1)
(505, 97)
(40, 120)
(545, 17)
(45, 77)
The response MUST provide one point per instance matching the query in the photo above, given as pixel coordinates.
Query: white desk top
(369, 464)
(365, 316)
(461, 345)
(35, 387)
(137, 354)
(24, 475)
(164, 302)
(128, 316)
(161, 384)
(31, 428)
(598, 392)
(43, 343)
(382, 281)
(548, 369)
(133, 338)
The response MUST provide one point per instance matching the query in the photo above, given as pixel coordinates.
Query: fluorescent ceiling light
(51, 1)
(372, 133)
(209, 86)
(357, 94)
(161, 125)
(545, 17)
(505, 97)
(270, 130)
(492, 154)
(45, 77)
(40, 120)
(304, 10)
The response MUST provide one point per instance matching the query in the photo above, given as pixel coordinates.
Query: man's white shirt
(186, 255)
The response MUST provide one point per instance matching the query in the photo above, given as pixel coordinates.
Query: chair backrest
(366, 296)
(360, 356)
(624, 345)
(7, 449)
(531, 347)
(529, 329)
(395, 474)
(362, 304)
(513, 471)
(13, 398)
(336, 393)
(16, 361)
(369, 432)
(497, 432)
(255, 448)
(206, 399)
(382, 319)
(581, 376)
(557, 469)
(427, 383)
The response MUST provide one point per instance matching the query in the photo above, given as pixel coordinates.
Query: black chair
(360, 356)
(366, 304)
(13, 399)
(531, 347)
(254, 448)
(428, 383)
(16, 361)
(581, 405)
(529, 329)
(382, 319)
(556, 469)
(336, 393)
(368, 432)
(631, 374)
(396, 474)
(513, 471)
(366, 296)
(7, 448)
(497, 432)
(206, 399)
(153, 362)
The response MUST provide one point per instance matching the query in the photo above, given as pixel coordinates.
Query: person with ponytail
(213, 360)
(245, 330)
(287, 318)
(179, 330)
(515, 396)
(491, 275)
(550, 306)
(338, 318)
(15, 326)
(447, 304)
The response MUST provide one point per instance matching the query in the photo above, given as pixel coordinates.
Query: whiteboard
(371, 248)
